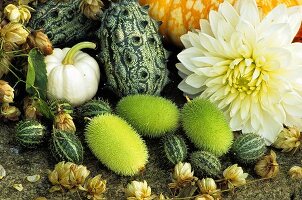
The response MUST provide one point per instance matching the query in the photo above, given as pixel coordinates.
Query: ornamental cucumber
(116, 144)
(66, 146)
(248, 148)
(206, 126)
(205, 163)
(94, 107)
(30, 133)
(150, 115)
(175, 149)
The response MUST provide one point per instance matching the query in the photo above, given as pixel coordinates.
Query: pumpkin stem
(68, 60)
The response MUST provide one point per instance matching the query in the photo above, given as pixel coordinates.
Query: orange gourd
(180, 16)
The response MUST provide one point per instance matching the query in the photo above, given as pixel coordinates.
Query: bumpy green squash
(62, 22)
(132, 50)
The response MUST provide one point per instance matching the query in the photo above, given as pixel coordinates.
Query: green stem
(68, 60)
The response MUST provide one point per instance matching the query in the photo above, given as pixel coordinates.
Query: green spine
(175, 149)
(66, 146)
(248, 148)
(205, 163)
(30, 133)
(94, 107)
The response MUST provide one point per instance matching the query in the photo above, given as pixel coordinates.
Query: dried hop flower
(204, 197)
(138, 191)
(68, 175)
(30, 108)
(6, 92)
(95, 187)
(91, 8)
(289, 139)
(12, 13)
(41, 41)
(208, 186)
(14, 33)
(5, 61)
(10, 112)
(63, 121)
(267, 167)
(295, 172)
(182, 175)
(234, 176)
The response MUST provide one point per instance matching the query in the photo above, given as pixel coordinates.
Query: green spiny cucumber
(116, 144)
(206, 126)
(150, 115)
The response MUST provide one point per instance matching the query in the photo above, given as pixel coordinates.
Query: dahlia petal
(195, 80)
(229, 13)
(248, 10)
(185, 40)
(294, 19)
(206, 28)
(245, 108)
(184, 71)
(276, 16)
(183, 86)
(215, 18)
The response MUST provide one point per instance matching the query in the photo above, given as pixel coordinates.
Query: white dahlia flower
(248, 66)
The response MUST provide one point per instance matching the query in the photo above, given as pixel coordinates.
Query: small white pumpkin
(72, 74)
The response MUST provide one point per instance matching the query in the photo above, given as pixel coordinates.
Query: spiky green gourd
(93, 108)
(116, 144)
(131, 50)
(150, 115)
(174, 147)
(62, 22)
(30, 133)
(66, 146)
(205, 163)
(248, 148)
(206, 126)
(57, 106)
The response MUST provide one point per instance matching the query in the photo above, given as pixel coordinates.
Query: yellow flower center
(245, 75)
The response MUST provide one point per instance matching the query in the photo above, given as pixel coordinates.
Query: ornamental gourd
(72, 74)
(180, 16)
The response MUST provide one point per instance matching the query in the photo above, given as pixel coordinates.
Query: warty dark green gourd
(131, 50)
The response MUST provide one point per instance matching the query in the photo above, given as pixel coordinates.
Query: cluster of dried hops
(69, 176)
(7, 111)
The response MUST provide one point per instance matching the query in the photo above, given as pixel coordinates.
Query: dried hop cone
(289, 139)
(18, 14)
(41, 41)
(138, 191)
(95, 187)
(208, 186)
(205, 197)
(6, 92)
(91, 8)
(5, 62)
(234, 176)
(63, 121)
(14, 33)
(68, 175)
(267, 167)
(30, 108)
(11, 113)
(295, 172)
(182, 175)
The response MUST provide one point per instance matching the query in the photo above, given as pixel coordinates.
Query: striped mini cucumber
(66, 146)
(30, 133)
(59, 106)
(174, 147)
(248, 148)
(94, 107)
(205, 163)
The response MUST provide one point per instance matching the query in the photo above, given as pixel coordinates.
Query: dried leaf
(2, 172)
(18, 187)
(55, 189)
(33, 178)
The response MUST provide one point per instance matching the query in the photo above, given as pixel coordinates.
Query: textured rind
(151, 116)
(93, 108)
(116, 144)
(205, 163)
(175, 148)
(66, 146)
(30, 133)
(248, 148)
(206, 126)
(57, 106)
(131, 50)
(62, 22)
